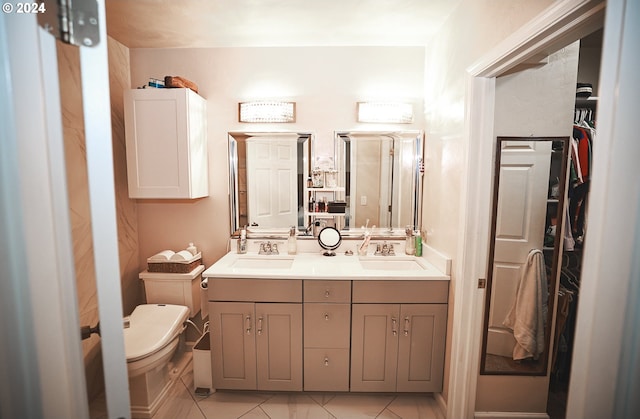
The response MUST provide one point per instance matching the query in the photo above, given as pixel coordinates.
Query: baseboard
(510, 415)
(442, 403)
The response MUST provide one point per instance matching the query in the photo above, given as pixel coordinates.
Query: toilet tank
(173, 288)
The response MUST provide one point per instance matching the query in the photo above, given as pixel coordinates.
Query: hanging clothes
(528, 313)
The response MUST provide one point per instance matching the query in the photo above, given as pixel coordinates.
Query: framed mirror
(525, 249)
(267, 174)
(382, 174)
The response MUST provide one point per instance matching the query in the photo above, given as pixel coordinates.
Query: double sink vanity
(309, 322)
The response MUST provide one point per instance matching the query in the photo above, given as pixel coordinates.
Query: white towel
(527, 316)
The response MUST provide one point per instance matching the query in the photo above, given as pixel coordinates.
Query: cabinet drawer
(256, 290)
(326, 369)
(327, 291)
(400, 291)
(327, 325)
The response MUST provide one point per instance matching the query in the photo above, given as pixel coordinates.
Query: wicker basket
(173, 267)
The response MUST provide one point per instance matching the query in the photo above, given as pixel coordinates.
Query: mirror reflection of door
(523, 262)
(371, 187)
(271, 176)
(520, 227)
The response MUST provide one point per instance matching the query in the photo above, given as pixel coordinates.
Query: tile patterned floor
(183, 403)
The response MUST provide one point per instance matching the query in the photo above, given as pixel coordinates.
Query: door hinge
(72, 21)
(482, 283)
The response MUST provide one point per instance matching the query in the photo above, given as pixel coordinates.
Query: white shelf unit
(331, 194)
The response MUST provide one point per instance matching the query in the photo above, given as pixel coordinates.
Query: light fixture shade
(385, 112)
(267, 111)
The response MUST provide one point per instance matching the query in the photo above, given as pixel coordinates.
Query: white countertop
(314, 265)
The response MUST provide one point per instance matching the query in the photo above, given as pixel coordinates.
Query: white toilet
(153, 337)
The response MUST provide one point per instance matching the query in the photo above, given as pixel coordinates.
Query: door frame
(557, 26)
(47, 363)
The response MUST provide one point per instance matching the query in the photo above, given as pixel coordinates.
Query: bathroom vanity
(308, 322)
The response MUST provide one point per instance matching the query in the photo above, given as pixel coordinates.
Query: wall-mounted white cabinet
(166, 138)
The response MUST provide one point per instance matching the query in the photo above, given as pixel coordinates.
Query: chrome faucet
(268, 248)
(384, 249)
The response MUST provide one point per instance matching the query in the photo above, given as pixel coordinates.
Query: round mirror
(329, 239)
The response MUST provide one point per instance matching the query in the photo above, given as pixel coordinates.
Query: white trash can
(202, 374)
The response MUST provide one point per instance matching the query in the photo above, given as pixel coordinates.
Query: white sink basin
(262, 263)
(386, 264)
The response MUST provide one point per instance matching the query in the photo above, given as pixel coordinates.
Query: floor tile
(179, 404)
(415, 407)
(355, 406)
(388, 414)
(256, 413)
(322, 398)
(294, 406)
(229, 405)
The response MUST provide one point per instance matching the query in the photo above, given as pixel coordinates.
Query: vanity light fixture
(389, 112)
(267, 111)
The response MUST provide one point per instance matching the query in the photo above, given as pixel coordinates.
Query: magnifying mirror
(329, 239)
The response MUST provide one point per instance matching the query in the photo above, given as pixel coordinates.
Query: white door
(271, 176)
(520, 227)
(41, 295)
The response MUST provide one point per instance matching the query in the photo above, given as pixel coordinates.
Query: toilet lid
(151, 327)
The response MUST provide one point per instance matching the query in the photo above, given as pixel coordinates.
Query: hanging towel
(527, 316)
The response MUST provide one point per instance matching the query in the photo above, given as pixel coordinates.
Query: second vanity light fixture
(267, 111)
(385, 112)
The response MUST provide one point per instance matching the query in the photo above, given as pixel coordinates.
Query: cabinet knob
(247, 322)
(326, 316)
(326, 361)
(406, 326)
(326, 294)
(394, 326)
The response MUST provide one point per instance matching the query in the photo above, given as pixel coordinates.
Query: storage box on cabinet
(166, 139)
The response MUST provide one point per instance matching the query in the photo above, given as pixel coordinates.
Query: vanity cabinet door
(374, 347)
(233, 347)
(278, 332)
(422, 330)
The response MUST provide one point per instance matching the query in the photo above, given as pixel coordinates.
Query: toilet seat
(151, 328)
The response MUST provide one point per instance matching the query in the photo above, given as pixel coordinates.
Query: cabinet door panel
(327, 325)
(326, 369)
(279, 346)
(233, 354)
(421, 347)
(374, 347)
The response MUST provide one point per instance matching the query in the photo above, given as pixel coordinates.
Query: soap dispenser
(192, 249)
(292, 245)
(242, 242)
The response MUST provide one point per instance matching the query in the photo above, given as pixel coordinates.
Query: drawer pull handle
(326, 361)
(326, 294)
(247, 321)
(406, 326)
(326, 316)
(394, 326)
(259, 325)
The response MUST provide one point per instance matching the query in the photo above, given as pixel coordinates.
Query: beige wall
(80, 213)
(325, 83)
(78, 195)
(471, 31)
